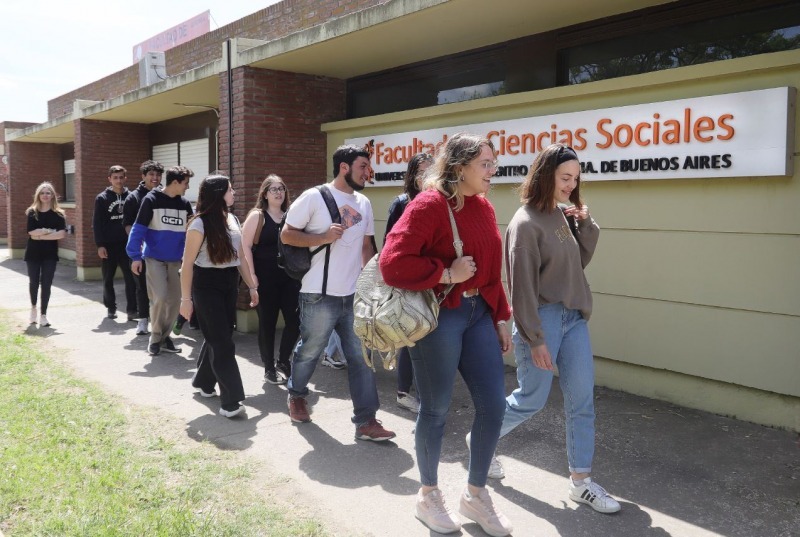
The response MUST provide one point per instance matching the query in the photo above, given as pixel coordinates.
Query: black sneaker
(169, 346)
(285, 369)
(273, 378)
(154, 349)
(112, 313)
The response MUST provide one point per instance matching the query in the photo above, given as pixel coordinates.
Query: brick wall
(98, 145)
(276, 128)
(273, 22)
(100, 90)
(29, 164)
(10, 125)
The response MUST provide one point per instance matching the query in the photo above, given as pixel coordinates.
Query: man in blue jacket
(111, 238)
(151, 179)
(161, 226)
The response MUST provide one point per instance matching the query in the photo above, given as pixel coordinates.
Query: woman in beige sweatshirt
(549, 242)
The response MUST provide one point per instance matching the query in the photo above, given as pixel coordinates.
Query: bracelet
(501, 323)
(253, 288)
(186, 299)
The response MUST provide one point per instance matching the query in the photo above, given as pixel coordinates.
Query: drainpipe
(230, 110)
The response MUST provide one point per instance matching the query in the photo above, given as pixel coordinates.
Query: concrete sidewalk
(677, 471)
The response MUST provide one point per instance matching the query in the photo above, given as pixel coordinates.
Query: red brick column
(28, 165)
(99, 145)
(276, 128)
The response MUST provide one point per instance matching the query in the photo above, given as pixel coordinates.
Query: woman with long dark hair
(420, 253)
(209, 286)
(549, 242)
(412, 185)
(46, 225)
(278, 291)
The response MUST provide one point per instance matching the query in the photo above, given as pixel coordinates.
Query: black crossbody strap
(336, 218)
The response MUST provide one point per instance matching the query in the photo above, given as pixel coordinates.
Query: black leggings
(276, 293)
(214, 293)
(41, 272)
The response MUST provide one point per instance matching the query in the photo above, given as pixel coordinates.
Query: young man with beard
(161, 227)
(111, 238)
(151, 178)
(309, 224)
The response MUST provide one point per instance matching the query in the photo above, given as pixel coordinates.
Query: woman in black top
(277, 290)
(46, 225)
(411, 187)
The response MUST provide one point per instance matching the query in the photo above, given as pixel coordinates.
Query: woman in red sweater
(419, 254)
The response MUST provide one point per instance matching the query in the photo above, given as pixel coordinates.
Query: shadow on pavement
(363, 464)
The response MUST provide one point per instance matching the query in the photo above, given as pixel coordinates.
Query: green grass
(73, 462)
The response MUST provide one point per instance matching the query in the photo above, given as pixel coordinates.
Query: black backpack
(296, 260)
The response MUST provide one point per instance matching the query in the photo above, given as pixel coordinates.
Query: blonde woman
(419, 253)
(46, 225)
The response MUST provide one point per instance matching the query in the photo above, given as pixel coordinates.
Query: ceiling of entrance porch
(401, 32)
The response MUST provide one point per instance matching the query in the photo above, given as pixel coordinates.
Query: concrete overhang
(401, 32)
(180, 95)
(388, 35)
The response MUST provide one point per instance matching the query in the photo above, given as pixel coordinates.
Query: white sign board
(748, 134)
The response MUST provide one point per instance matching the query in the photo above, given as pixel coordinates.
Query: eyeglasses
(276, 190)
(45, 193)
(489, 165)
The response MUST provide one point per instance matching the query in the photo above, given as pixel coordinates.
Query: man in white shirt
(309, 224)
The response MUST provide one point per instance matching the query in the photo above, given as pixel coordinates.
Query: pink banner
(183, 32)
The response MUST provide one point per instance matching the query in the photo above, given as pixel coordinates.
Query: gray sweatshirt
(544, 265)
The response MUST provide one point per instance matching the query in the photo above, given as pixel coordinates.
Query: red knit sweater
(420, 247)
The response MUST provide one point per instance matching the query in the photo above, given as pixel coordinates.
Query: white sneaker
(593, 495)
(496, 470)
(409, 402)
(33, 315)
(141, 327)
(481, 509)
(203, 393)
(432, 511)
(43, 321)
(231, 413)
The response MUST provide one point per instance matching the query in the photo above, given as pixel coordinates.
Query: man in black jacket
(152, 172)
(110, 238)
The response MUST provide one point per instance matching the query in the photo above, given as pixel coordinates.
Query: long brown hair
(538, 188)
(213, 211)
(412, 174)
(36, 206)
(457, 153)
(261, 201)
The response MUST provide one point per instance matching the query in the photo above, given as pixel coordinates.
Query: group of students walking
(548, 243)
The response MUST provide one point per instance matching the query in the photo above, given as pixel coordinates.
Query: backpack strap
(336, 218)
(458, 244)
(259, 227)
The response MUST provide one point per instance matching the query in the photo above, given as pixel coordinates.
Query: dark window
(675, 34)
(721, 38)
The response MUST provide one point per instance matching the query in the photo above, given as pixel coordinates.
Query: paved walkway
(677, 472)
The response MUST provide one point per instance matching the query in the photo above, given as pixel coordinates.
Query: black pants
(214, 295)
(142, 302)
(277, 293)
(117, 257)
(41, 273)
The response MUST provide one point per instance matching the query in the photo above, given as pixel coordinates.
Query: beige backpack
(388, 318)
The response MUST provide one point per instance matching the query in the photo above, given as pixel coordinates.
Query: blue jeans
(334, 346)
(567, 338)
(465, 341)
(319, 316)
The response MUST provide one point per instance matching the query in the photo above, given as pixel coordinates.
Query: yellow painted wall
(696, 277)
